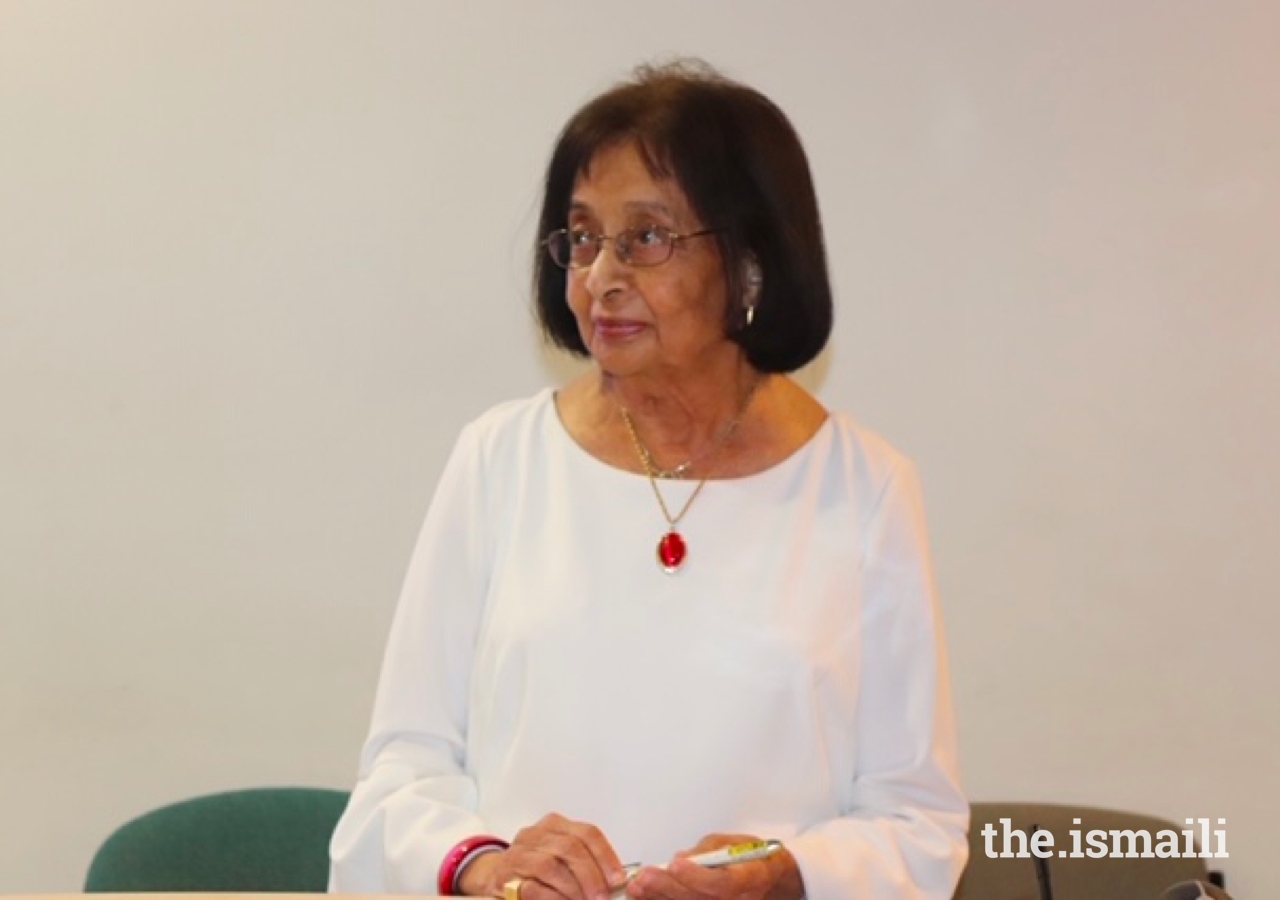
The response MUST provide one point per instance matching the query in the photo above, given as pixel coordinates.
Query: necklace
(672, 548)
(646, 456)
(674, 472)
(678, 471)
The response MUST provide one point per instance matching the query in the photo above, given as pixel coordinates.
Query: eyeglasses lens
(638, 247)
(645, 246)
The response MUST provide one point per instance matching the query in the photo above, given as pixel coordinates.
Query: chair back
(247, 841)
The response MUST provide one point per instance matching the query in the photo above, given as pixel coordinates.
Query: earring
(754, 280)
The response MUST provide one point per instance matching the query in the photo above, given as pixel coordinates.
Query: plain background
(259, 261)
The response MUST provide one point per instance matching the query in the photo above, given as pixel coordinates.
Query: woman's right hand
(556, 858)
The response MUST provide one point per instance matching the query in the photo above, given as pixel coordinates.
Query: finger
(535, 889)
(591, 837)
(681, 880)
(544, 872)
(596, 847)
(573, 858)
(748, 878)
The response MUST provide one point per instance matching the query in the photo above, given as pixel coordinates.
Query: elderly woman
(676, 604)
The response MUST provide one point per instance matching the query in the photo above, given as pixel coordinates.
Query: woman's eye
(580, 237)
(650, 235)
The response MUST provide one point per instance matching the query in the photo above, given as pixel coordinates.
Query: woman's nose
(607, 271)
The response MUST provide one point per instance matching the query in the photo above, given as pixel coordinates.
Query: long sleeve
(905, 837)
(414, 799)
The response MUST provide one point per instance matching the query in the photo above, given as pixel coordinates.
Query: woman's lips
(617, 329)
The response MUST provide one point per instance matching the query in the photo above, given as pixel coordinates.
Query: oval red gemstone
(671, 551)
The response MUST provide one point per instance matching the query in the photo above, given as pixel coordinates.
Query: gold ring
(511, 890)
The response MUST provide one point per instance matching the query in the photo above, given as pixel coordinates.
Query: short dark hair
(739, 162)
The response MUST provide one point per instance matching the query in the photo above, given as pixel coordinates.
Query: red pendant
(671, 552)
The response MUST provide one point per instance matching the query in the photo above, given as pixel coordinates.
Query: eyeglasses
(651, 245)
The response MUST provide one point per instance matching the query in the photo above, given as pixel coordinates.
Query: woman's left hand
(775, 877)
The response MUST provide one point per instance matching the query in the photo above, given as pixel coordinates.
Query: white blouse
(789, 681)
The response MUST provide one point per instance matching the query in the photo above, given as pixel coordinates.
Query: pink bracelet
(462, 853)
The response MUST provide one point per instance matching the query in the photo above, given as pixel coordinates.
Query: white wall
(260, 260)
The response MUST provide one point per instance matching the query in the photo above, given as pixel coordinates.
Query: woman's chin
(615, 367)
(619, 354)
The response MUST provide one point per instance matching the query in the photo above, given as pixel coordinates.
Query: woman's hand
(557, 859)
(774, 877)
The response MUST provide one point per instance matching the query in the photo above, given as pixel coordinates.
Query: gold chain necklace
(672, 548)
(646, 456)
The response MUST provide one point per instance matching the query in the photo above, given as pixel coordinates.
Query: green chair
(247, 841)
(1014, 878)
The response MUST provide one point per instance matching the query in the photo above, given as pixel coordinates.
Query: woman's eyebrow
(653, 206)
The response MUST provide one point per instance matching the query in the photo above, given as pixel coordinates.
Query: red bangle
(454, 859)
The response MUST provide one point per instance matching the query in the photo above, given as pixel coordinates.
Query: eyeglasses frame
(600, 239)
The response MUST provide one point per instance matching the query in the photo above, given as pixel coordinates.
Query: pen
(712, 859)
(736, 853)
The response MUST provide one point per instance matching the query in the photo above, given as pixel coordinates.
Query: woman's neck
(684, 421)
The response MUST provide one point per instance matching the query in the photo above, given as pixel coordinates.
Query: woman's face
(664, 321)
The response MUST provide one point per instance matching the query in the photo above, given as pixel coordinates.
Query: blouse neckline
(547, 398)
